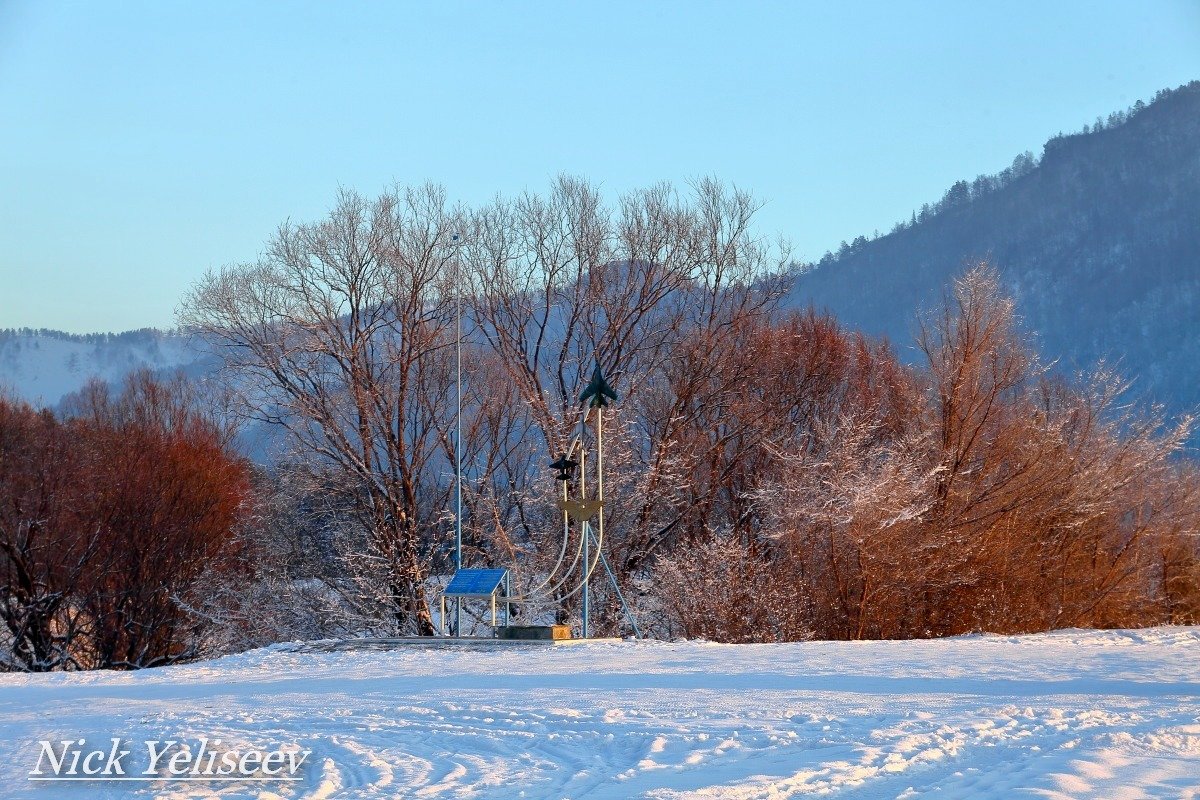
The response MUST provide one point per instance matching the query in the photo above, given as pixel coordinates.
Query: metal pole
(612, 577)
(600, 463)
(457, 426)
(584, 531)
(600, 497)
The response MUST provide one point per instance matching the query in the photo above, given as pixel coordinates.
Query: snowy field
(1070, 714)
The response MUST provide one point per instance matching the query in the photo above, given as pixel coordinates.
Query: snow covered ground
(1069, 714)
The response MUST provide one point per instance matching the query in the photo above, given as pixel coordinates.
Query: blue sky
(142, 143)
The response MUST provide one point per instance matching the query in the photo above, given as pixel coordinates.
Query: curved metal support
(597, 395)
(544, 589)
(589, 563)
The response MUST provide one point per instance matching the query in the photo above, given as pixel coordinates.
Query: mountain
(41, 366)
(1098, 239)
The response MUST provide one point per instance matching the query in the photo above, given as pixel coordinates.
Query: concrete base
(534, 632)
(403, 642)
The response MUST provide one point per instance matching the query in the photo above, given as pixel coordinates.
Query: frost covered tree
(659, 290)
(826, 410)
(979, 493)
(335, 334)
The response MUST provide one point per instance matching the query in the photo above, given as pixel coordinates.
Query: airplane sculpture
(598, 390)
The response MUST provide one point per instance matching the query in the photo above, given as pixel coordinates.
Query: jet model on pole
(598, 390)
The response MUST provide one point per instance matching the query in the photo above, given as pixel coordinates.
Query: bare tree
(565, 282)
(333, 335)
(833, 477)
(45, 547)
(1007, 501)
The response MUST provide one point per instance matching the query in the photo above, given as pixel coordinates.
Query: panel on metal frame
(475, 583)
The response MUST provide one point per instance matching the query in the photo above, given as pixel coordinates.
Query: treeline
(978, 493)
(124, 337)
(770, 475)
(963, 192)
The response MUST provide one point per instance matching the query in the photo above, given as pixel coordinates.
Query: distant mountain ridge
(41, 366)
(1099, 240)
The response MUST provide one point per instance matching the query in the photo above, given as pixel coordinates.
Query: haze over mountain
(41, 366)
(1099, 240)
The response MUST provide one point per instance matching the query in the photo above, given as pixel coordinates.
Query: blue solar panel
(475, 582)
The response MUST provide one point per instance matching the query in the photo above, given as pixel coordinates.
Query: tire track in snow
(1074, 714)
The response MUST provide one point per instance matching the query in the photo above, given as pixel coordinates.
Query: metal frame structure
(597, 396)
(477, 584)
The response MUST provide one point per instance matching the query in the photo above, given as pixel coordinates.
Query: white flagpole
(457, 426)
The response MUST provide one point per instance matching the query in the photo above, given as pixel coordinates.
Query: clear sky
(142, 143)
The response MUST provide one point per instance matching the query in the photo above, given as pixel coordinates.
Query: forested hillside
(1098, 239)
(44, 365)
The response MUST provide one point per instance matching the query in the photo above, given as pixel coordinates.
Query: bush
(111, 517)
